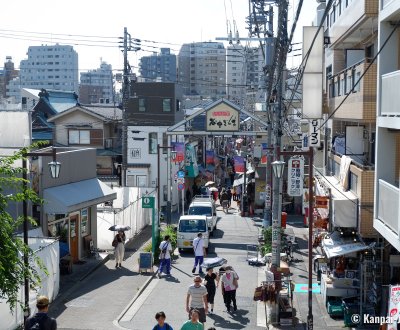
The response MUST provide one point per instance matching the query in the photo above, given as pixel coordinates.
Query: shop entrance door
(73, 237)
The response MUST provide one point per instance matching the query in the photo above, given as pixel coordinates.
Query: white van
(188, 228)
(204, 206)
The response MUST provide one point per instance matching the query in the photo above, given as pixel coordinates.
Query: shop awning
(337, 245)
(74, 196)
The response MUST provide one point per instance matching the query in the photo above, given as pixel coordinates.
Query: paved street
(110, 298)
(169, 294)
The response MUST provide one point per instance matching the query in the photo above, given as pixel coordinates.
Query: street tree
(12, 248)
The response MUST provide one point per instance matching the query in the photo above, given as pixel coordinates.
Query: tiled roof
(110, 112)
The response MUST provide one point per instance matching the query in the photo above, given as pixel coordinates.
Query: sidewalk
(95, 293)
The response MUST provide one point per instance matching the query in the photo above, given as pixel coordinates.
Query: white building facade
(53, 67)
(387, 168)
(101, 77)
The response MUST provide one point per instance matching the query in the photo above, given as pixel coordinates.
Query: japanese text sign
(295, 177)
(222, 119)
(315, 136)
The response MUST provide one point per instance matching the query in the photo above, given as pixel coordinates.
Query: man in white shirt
(165, 256)
(196, 298)
(199, 252)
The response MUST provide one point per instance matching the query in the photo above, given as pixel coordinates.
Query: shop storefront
(71, 213)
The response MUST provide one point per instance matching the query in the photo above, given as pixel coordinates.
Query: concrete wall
(76, 165)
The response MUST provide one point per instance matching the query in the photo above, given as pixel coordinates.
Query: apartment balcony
(361, 183)
(361, 102)
(390, 96)
(388, 205)
(387, 214)
(350, 22)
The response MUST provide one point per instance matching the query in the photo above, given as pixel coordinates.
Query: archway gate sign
(222, 117)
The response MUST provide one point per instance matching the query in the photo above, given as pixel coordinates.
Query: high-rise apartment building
(96, 86)
(6, 74)
(53, 67)
(158, 67)
(202, 69)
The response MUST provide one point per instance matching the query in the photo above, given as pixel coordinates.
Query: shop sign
(321, 202)
(394, 305)
(268, 196)
(295, 176)
(147, 202)
(222, 119)
(315, 134)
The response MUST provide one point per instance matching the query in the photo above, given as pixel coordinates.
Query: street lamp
(278, 167)
(54, 168)
(173, 157)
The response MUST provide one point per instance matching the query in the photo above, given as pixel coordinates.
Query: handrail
(353, 66)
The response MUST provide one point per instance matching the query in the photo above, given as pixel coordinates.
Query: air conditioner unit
(108, 143)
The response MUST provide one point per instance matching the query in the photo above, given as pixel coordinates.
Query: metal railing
(388, 205)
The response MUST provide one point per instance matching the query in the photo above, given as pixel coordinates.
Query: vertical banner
(304, 142)
(239, 164)
(264, 151)
(295, 176)
(179, 147)
(210, 157)
(315, 134)
(191, 162)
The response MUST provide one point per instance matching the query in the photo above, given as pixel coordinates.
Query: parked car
(188, 228)
(204, 206)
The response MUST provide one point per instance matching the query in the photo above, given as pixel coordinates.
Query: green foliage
(12, 248)
(169, 230)
(266, 247)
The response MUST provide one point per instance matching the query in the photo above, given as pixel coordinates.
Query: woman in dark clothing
(210, 279)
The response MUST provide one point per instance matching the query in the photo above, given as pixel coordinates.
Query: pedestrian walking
(229, 193)
(193, 323)
(196, 298)
(229, 282)
(165, 256)
(210, 279)
(161, 324)
(221, 272)
(41, 320)
(119, 248)
(199, 252)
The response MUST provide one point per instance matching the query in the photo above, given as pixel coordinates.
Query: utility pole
(127, 46)
(125, 99)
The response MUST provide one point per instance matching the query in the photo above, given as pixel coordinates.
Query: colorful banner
(239, 164)
(179, 147)
(295, 177)
(264, 151)
(210, 157)
(191, 162)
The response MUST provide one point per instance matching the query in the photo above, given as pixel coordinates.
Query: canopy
(74, 196)
(335, 245)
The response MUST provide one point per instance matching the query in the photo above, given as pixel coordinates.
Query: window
(349, 84)
(356, 78)
(153, 137)
(166, 105)
(79, 137)
(141, 180)
(339, 87)
(353, 182)
(142, 105)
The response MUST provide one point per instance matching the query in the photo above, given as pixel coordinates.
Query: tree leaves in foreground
(12, 247)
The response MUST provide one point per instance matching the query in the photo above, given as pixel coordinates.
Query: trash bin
(350, 307)
(283, 219)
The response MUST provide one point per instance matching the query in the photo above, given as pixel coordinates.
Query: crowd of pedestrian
(200, 295)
